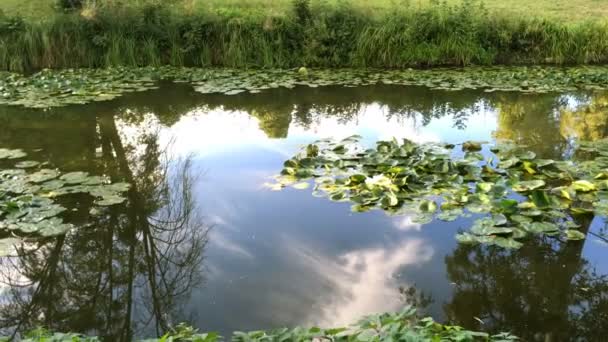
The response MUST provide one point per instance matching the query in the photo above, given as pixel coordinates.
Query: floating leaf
(11, 154)
(484, 187)
(43, 175)
(528, 185)
(506, 243)
(27, 164)
(572, 234)
(427, 206)
(75, 177)
(54, 227)
(583, 186)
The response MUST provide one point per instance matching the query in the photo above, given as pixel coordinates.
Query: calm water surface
(201, 240)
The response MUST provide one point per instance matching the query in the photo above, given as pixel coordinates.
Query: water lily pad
(572, 234)
(427, 206)
(54, 227)
(11, 154)
(27, 164)
(528, 185)
(506, 243)
(522, 194)
(109, 200)
(77, 177)
(583, 186)
(43, 175)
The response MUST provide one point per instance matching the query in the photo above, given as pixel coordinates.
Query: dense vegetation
(340, 35)
(403, 326)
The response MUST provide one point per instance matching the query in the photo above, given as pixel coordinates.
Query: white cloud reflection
(362, 281)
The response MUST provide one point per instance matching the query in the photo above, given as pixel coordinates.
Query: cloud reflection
(362, 281)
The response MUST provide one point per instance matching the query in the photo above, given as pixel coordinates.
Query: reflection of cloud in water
(362, 281)
(405, 223)
(218, 240)
(216, 131)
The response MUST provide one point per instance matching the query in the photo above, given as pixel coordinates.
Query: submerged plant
(520, 194)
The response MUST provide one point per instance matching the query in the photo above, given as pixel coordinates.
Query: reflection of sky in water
(285, 258)
(208, 133)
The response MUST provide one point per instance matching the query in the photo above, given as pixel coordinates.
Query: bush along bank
(317, 36)
(403, 326)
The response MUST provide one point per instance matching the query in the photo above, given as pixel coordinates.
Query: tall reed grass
(324, 36)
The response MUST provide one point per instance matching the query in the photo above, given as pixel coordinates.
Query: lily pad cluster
(29, 195)
(54, 88)
(516, 193)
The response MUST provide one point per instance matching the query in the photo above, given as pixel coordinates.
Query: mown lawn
(567, 10)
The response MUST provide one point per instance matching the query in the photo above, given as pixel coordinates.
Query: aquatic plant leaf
(583, 186)
(484, 187)
(450, 215)
(572, 234)
(506, 243)
(11, 154)
(390, 200)
(27, 203)
(540, 199)
(27, 164)
(77, 177)
(427, 206)
(523, 186)
(53, 227)
(541, 227)
(402, 177)
(43, 175)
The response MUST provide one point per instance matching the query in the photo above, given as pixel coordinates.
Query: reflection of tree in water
(587, 122)
(130, 267)
(412, 296)
(276, 109)
(547, 123)
(531, 120)
(544, 290)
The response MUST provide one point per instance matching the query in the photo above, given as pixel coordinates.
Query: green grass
(333, 33)
(568, 10)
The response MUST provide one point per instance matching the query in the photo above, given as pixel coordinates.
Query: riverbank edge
(329, 37)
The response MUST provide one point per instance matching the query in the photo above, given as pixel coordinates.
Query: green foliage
(69, 4)
(28, 200)
(403, 326)
(50, 88)
(154, 33)
(404, 178)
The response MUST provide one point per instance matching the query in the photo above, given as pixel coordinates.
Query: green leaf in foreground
(401, 326)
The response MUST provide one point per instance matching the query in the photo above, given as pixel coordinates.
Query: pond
(200, 239)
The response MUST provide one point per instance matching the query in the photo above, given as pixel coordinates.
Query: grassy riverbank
(289, 34)
(566, 10)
